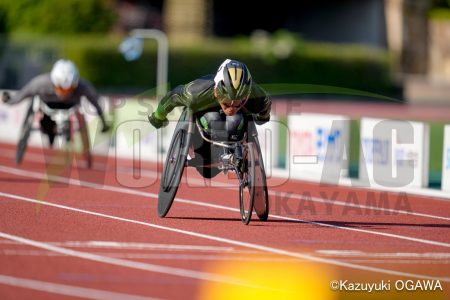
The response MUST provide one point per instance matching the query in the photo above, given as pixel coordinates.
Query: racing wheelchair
(243, 157)
(64, 127)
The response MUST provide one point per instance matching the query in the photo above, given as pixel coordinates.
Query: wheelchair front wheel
(247, 185)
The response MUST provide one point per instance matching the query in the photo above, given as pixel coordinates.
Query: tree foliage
(57, 16)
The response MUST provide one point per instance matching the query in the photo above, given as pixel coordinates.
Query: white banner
(394, 153)
(11, 119)
(318, 146)
(135, 137)
(268, 136)
(446, 160)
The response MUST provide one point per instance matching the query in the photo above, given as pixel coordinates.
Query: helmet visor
(228, 103)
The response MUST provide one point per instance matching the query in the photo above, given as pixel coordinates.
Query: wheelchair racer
(221, 102)
(62, 88)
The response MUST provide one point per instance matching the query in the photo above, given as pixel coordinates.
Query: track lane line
(204, 204)
(216, 238)
(125, 263)
(152, 174)
(142, 246)
(67, 290)
(66, 180)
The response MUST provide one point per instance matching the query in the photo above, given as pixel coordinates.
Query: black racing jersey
(42, 86)
(198, 95)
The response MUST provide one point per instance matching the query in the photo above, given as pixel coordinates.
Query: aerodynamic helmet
(64, 75)
(233, 81)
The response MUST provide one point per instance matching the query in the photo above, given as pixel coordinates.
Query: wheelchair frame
(64, 127)
(249, 168)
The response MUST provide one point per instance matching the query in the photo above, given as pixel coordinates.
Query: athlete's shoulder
(40, 84)
(257, 91)
(41, 80)
(201, 85)
(84, 84)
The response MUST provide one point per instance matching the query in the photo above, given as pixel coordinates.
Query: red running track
(69, 232)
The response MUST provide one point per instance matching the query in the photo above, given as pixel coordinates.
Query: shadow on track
(253, 222)
(380, 224)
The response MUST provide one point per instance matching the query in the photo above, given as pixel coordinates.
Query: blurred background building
(406, 28)
(415, 33)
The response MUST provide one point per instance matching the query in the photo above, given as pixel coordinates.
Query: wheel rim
(247, 191)
(173, 159)
(261, 204)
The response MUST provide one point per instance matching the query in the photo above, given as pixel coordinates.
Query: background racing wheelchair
(58, 121)
(242, 156)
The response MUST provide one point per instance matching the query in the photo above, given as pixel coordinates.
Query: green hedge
(442, 14)
(56, 16)
(344, 66)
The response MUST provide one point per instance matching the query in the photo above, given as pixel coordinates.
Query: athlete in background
(62, 88)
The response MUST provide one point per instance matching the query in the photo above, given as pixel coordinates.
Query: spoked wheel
(84, 138)
(25, 134)
(261, 194)
(174, 166)
(247, 186)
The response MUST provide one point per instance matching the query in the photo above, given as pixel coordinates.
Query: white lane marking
(361, 207)
(146, 246)
(357, 253)
(396, 236)
(125, 263)
(142, 246)
(229, 241)
(401, 261)
(157, 256)
(63, 162)
(199, 203)
(193, 257)
(67, 290)
(153, 174)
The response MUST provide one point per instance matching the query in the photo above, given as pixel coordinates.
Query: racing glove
(6, 97)
(157, 123)
(259, 120)
(105, 127)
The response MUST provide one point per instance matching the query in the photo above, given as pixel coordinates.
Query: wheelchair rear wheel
(174, 165)
(247, 186)
(84, 138)
(25, 133)
(261, 204)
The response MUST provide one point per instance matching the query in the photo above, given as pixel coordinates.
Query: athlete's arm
(91, 95)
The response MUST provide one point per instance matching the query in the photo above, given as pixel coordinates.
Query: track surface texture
(67, 232)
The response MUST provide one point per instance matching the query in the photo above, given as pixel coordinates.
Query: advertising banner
(268, 135)
(446, 160)
(134, 136)
(318, 146)
(394, 153)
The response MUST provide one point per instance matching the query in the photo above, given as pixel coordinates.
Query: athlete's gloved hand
(105, 127)
(261, 120)
(6, 97)
(157, 123)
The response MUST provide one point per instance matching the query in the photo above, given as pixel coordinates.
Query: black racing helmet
(233, 81)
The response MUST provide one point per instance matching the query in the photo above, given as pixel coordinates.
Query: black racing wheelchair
(64, 126)
(243, 157)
